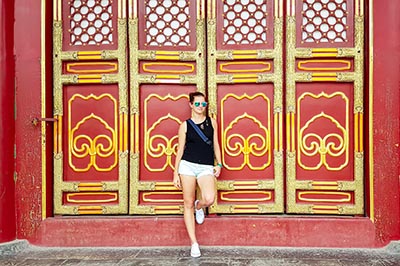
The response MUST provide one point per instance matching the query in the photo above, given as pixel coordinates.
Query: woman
(195, 165)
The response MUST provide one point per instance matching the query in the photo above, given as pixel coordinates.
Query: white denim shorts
(195, 169)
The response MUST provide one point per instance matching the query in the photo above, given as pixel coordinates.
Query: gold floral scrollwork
(316, 149)
(256, 144)
(86, 150)
(158, 146)
(245, 139)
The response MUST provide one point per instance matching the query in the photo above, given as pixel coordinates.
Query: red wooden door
(91, 107)
(324, 103)
(167, 61)
(245, 75)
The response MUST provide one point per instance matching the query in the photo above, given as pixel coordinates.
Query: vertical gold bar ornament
(214, 9)
(280, 131)
(121, 130)
(123, 9)
(55, 10)
(288, 7)
(361, 8)
(293, 8)
(198, 9)
(59, 133)
(203, 9)
(357, 11)
(276, 136)
(136, 133)
(361, 129)
(135, 13)
(125, 147)
(59, 17)
(132, 136)
(288, 138)
(55, 130)
(281, 8)
(208, 9)
(292, 132)
(356, 133)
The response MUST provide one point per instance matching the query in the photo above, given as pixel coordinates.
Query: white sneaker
(199, 213)
(195, 250)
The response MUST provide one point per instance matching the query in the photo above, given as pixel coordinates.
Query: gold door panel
(167, 48)
(324, 112)
(245, 93)
(90, 107)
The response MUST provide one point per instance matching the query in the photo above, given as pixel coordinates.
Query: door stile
(246, 80)
(90, 108)
(162, 73)
(324, 86)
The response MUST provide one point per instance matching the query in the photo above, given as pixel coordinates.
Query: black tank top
(196, 150)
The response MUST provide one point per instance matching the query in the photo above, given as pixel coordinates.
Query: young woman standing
(194, 164)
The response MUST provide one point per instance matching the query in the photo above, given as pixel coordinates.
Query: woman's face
(199, 104)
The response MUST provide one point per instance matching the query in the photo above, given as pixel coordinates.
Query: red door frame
(7, 132)
(382, 225)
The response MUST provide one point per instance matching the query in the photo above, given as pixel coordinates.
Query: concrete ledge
(393, 247)
(10, 248)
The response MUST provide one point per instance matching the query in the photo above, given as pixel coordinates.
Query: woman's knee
(188, 204)
(208, 199)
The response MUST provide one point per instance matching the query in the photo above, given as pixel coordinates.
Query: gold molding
(371, 111)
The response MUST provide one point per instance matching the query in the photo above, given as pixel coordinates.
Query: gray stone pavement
(21, 253)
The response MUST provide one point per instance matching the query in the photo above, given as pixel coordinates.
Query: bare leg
(207, 187)
(189, 193)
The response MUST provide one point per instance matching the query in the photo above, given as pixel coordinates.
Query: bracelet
(220, 165)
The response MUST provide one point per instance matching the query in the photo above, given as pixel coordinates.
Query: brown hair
(192, 95)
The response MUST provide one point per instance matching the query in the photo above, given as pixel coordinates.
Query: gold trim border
(371, 111)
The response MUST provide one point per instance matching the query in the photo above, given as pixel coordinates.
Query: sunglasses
(197, 104)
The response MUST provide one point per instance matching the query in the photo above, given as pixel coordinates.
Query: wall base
(216, 231)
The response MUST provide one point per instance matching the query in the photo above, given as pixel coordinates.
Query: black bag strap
(199, 132)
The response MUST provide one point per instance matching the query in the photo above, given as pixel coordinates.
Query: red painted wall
(386, 113)
(300, 231)
(7, 196)
(28, 142)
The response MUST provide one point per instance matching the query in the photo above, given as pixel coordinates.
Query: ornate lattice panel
(167, 47)
(167, 24)
(245, 22)
(245, 93)
(90, 107)
(325, 106)
(91, 22)
(327, 21)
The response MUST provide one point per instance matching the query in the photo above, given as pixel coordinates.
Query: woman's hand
(217, 170)
(177, 181)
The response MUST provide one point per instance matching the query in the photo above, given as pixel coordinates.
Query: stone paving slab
(27, 254)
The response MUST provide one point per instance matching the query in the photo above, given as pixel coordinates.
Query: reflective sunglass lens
(197, 104)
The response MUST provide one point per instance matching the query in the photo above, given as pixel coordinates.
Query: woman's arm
(179, 153)
(217, 148)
